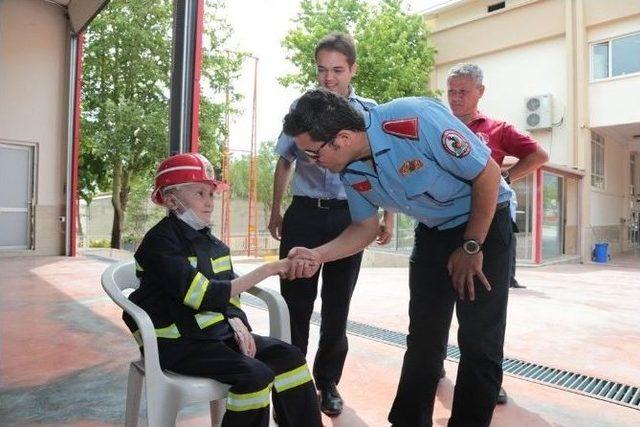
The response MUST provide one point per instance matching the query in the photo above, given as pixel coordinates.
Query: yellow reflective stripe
(139, 267)
(170, 331)
(138, 337)
(248, 401)
(196, 291)
(221, 264)
(235, 301)
(208, 318)
(193, 261)
(292, 378)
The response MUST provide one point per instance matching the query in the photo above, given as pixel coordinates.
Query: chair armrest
(279, 326)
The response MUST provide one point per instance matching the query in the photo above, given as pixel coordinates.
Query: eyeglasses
(315, 154)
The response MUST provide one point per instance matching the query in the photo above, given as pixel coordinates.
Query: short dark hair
(338, 42)
(322, 114)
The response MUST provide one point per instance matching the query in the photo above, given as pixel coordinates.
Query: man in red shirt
(464, 90)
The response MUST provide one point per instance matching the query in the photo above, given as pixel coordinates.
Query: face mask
(192, 220)
(189, 216)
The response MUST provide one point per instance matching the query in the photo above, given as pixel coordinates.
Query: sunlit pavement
(64, 351)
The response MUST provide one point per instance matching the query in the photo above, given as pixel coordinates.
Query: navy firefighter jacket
(185, 284)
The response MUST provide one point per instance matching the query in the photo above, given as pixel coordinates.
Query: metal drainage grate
(598, 388)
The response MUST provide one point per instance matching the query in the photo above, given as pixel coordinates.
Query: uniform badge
(410, 166)
(404, 128)
(362, 186)
(455, 143)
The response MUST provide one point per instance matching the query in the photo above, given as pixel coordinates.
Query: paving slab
(64, 351)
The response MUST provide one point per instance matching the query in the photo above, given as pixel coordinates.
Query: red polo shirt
(502, 138)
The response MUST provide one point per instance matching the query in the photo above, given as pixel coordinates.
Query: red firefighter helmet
(184, 169)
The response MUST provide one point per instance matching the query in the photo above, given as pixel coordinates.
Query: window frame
(597, 162)
(609, 42)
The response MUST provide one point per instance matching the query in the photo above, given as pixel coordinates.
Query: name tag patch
(362, 186)
(410, 166)
(455, 144)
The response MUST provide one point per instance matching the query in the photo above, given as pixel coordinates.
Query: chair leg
(217, 408)
(134, 392)
(162, 406)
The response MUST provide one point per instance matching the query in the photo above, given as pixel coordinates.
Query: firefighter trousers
(278, 370)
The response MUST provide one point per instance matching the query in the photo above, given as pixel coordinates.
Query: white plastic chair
(167, 391)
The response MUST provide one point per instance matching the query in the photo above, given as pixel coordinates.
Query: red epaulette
(404, 128)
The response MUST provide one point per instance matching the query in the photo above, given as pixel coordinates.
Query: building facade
(567, 72)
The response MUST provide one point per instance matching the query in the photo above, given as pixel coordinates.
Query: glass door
(552, 215)
(524, 242)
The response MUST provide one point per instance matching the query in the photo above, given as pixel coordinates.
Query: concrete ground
(64, 351)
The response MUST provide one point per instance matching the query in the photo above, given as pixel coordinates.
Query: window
(597, 161)
(616, 57)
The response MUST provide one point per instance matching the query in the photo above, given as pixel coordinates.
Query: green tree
(266, 164)
(267, 159)
(395, 56)
(239, 177)
(126, 77)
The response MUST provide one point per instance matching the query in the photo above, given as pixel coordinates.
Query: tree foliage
(266, 164)
(125, 105)
(395, 57)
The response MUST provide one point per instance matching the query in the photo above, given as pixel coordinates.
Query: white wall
(33, 85)
(512, 75)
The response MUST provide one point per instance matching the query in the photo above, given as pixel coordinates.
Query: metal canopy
(80, 12)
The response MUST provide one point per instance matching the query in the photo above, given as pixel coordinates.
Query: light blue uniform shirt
(425, 160)
(309, 179)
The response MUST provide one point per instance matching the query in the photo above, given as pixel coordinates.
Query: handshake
(300, 263)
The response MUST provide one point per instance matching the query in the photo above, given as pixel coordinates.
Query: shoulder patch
(455, 143)
(362, 186)
(404, 128)
(410, 166)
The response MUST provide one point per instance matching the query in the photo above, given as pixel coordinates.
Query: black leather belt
(321, 203)
(499, 206)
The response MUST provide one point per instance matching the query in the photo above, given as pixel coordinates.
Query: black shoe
(502, 397)
(330, 401)
(517, 285)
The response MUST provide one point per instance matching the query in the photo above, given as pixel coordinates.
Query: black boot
(330, 401)
(514, 284)
(502, 397)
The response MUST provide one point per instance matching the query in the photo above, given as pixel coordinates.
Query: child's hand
(296, 268)
(243, 337)
(281, 268)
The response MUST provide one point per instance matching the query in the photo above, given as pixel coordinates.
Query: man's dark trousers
(309, 225)
(480, 333)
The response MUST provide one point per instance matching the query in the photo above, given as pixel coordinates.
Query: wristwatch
(471, 246)
(505, 175)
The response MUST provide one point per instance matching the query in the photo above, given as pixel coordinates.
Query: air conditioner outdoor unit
(538, 111)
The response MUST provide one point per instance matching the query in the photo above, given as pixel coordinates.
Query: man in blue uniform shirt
(318, 213)
(411, 155)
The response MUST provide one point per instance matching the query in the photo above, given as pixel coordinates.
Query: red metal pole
(537, 254)
(197, 66)
(73, 225)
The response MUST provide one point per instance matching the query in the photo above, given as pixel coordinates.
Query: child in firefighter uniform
(189, 289)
